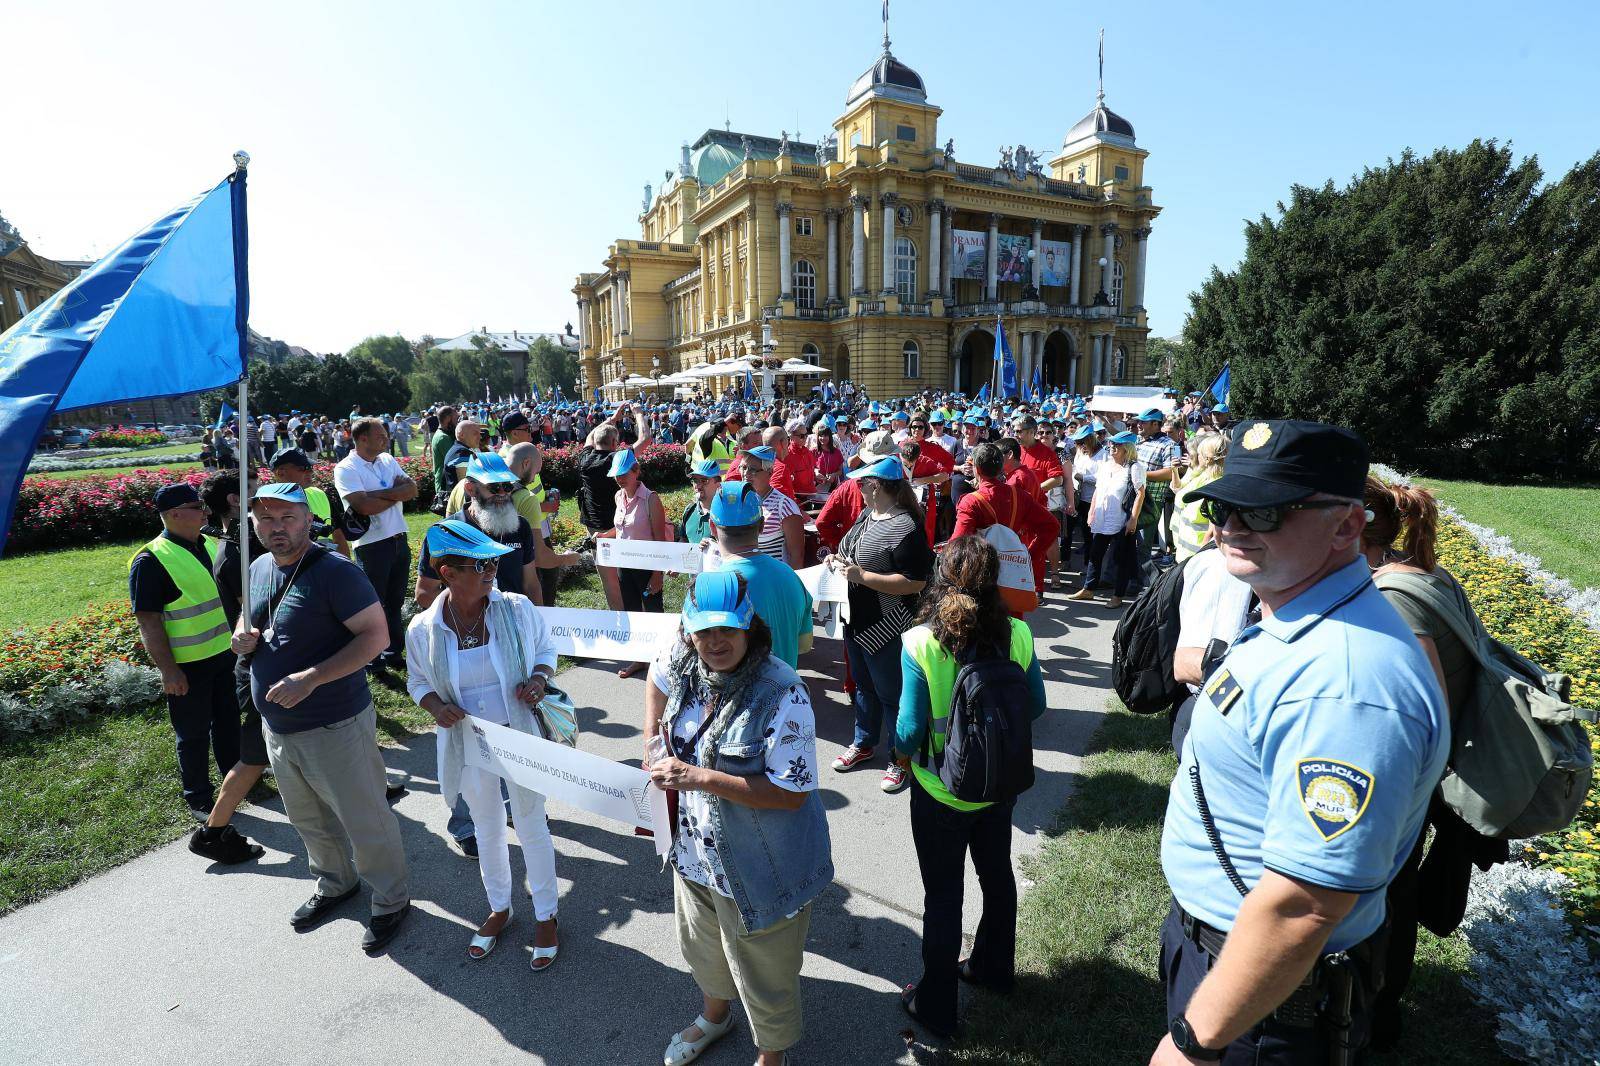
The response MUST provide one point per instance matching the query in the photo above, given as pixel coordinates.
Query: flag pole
(241, 281)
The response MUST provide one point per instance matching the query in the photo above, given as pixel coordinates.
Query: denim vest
(776, 861)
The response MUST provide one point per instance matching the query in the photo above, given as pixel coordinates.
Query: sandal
(483, 945)
(681, 1051)
(546, 956)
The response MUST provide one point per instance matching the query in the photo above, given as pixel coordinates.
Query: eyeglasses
(919, 425)
(482, 566)
(500, 488)
(1261, 519)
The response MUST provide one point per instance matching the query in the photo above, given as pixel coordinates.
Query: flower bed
(59, 673)
(61, 466)
(126, 438)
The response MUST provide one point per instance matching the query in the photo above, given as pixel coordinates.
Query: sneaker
(382, 929)
(315, 911)
(853, 757)
(895, 779)
(226, 845)
(468, 846)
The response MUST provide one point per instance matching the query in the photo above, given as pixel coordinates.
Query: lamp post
(1101, 298)
(768, 349)
(1029, 292)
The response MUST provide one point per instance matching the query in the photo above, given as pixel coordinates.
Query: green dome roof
(712, 162)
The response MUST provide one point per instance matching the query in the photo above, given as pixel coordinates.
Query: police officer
(1305, 777)
(185, 633)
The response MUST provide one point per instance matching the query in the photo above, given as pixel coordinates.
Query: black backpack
(1143, 645)
(988, 751)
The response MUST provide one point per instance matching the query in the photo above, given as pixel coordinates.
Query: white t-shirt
(269, 431)
(1213, 604)
(791, 760)
(355, 474)
(1113, 484)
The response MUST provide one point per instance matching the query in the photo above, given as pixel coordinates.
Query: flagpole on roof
(241, 281)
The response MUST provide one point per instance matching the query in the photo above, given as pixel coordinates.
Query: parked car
(75, 437)
(174, 431)
(49, 440)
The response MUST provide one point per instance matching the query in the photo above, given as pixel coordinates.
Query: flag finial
(885, 27)
(1101, 99)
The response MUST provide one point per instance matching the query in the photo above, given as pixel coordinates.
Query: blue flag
(163, 315)
(534, 392)
(226, 415)
(1219, 387)
(597, 395)
(749, 386)
(1036, 392)
(983, 393)
(1008, 365)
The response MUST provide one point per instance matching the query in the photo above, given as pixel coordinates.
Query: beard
(496, 519)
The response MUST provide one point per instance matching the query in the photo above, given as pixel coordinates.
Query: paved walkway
(166, 961)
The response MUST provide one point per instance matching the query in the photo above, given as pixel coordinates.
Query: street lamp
(1101, 299)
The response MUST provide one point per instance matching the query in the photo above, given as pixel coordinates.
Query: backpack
(1520, 762)
(1017, 588)
(1144, 642)
(988, 751)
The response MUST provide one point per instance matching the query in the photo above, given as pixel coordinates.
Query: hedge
(125, 438)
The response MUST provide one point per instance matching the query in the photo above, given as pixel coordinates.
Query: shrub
(69, 670)
(126, 438)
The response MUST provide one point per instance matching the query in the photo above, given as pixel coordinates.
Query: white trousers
(481, 790)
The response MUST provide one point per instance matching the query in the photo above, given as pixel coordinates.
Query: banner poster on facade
(577, 778)
(1057, 266)
(675, 557)
(1011, 263)
(627, 636)
(969, 249)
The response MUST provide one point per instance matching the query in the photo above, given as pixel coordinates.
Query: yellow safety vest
(318, 501)
(195, 624)
(940, 668)
(1190, 528)
(714, 447)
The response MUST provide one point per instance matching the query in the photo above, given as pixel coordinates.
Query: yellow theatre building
(883, 256)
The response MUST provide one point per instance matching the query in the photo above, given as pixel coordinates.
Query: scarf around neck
(721, 693)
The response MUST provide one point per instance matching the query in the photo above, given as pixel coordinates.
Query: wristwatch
(1184, 1040)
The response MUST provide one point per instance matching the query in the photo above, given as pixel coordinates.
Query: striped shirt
(775, 508)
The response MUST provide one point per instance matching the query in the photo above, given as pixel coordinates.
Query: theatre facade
(884, 253)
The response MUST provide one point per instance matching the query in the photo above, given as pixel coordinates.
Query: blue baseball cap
(1220, 409)
(830, 423)
(1125, 437)
(1082, 432)
(890, 469)
(868, 425)
(937, 418)
(764, 453)
(706, 468)
(900, 416)
(1099, 426)
(622, 461)
(455, 537)
(715, 603)
(1154, 414)
(278, 490)
(487, 468)
(736, 504)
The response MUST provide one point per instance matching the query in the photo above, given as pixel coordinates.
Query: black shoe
(226, 845)
(382, 929)
(394, 792)
(314, 911)
(965, 972)
(468, 846)
(908, 1003)
(201, 813)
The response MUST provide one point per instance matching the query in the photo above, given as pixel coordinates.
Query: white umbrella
(612, 385)
(638, 381)
(798, 366)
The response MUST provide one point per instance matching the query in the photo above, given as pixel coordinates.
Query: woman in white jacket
(479, 651)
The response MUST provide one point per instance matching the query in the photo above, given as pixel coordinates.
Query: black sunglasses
(1261, 519)
(501, 488)
(482, 566)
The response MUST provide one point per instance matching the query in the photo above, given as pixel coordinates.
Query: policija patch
(1334, 794)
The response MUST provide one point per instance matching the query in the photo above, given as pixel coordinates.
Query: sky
(437, 168)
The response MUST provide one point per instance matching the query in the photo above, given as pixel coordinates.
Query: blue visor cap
(1125, 437)
(1099, 427)
(715, 603)
(888, 469)
(736, 504)
(1155, 414)
(762, 452)
(1220, 409)
(487, 468)
(868, 425)
(900, 416)
(706, 468)
(830, 423)
(1083, 432)
(281, 490)
(936, 419)
(455, 537)
(623, 461)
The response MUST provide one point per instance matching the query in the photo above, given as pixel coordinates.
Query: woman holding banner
(479, 651)
(639, 516)
(750, 847)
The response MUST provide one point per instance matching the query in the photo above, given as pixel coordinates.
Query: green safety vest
(715, 448)
(1189, 527)
(195, 624)
(940, 668)
(318, 500)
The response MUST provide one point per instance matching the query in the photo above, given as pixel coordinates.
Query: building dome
(711, 162)
(888, 77)
(1102, 124)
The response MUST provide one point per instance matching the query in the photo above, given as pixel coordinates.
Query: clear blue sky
(437, 168)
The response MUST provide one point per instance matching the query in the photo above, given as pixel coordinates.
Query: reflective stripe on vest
(1189, 528)
(195, 624)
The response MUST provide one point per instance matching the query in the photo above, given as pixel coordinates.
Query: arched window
(905, 269)
(809, 353)
(805, 284)
(913, 359)
(1119, 358)
(1116, 286)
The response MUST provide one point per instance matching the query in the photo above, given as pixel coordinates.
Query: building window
(913, 359)
(809, 353)
(22, 301)
(1119, 363)
(1121, 173)
(805, 284)
(905, 133)
(905, 270)
(802, 226)
(1116, 284)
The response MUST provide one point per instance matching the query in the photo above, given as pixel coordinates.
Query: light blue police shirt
(1319, 739)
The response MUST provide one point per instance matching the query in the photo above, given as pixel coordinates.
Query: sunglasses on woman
(482, 566)
(1261, 519)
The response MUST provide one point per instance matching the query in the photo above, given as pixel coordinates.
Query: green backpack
(1520, 762)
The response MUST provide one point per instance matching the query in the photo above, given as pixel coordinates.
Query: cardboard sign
(579, 779)
(629, 636)
(672, 556)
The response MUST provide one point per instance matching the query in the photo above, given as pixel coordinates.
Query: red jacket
(839, 513)
(992, 502)
(801, 466)
(1024, 480)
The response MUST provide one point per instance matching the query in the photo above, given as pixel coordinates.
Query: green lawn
(1088, 934)
(1556, 524)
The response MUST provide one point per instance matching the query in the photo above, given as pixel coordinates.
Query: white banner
(612, 790)
(632, 636)
(825, 584)
(672, 556)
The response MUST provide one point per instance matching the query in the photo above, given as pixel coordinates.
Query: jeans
(1075, 524)
(877, 678)
(943, 836)
(206, 721)
(1122, 552)
(387, 565)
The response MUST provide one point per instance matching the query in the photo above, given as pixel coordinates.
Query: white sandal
(544, 953)
(681, 1051)
(486, 943)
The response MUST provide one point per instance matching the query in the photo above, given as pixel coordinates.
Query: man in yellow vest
(293, 466)
(186, 635)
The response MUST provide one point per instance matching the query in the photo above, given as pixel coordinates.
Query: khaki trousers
(761, 970)
(332, 782)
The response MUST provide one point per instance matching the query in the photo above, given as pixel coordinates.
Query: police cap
(1278, 461)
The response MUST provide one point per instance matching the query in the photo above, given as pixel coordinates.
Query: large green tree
(327, 386)
(1447, 307)
(550, 364)
(455, 376)
(391, 351)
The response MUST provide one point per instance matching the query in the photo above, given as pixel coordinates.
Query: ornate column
(1072, 373)
(752, 267)
(1108, 231)
(888, 201)
(991, 285)
(786, 275)
(1037, 262)
(622, 302)
(858, 247)
(945, 280)
(935, 242)
(832, 215)
(1142, 235)
(1077, 265)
